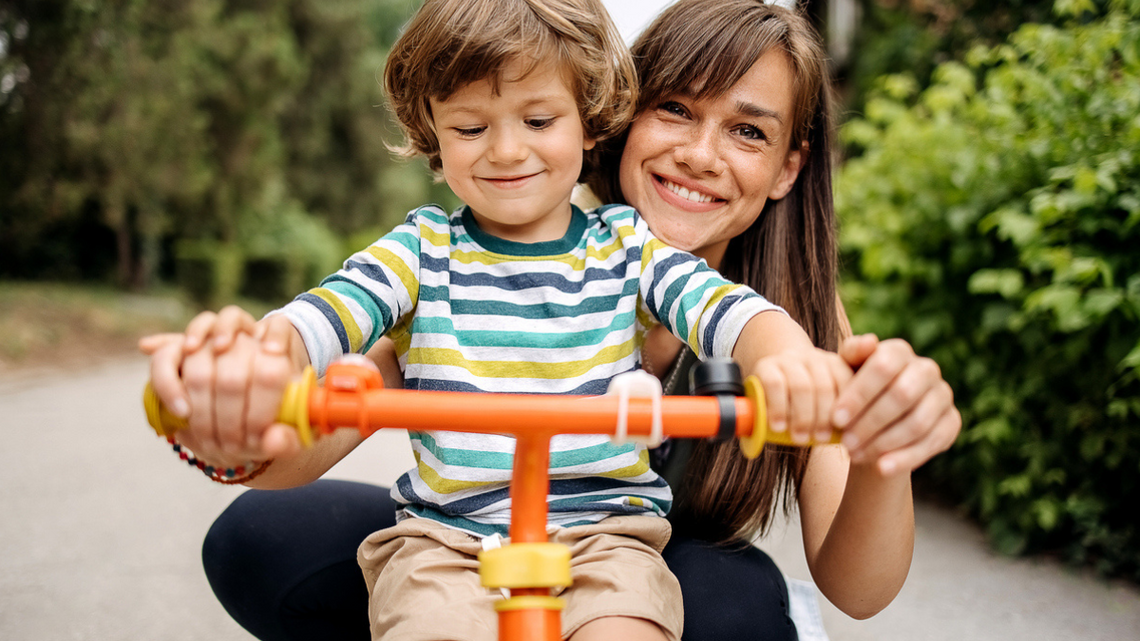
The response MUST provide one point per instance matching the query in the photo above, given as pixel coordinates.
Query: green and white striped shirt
(472, 312)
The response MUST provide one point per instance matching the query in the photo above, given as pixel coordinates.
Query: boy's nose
(506, 147)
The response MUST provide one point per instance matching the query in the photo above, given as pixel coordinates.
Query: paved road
(101, 528)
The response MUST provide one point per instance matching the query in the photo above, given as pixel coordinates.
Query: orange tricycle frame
(353, 396)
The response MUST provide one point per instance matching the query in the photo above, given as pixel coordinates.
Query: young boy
(520, 291)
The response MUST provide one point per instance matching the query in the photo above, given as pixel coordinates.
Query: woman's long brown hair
(702, 48)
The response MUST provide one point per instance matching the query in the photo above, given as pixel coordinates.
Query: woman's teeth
(692, 196)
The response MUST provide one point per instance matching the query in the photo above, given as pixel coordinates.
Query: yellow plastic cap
(525, 565)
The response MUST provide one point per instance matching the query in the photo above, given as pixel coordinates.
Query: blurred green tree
(133, 126)
(914, 36)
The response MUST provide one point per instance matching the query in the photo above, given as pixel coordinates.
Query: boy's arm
(768, 334)
(327, 451)
(364, 300)
(718, 318)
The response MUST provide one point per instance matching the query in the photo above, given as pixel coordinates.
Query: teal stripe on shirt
(493, 338)
(504, 461)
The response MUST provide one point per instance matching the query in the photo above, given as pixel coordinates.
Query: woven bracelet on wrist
(225, 476)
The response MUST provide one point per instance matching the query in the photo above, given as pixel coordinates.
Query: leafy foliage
(131, 126)
(994, 219)
(917, 35)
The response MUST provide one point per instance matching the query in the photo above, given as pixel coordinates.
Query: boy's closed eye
(540, 123)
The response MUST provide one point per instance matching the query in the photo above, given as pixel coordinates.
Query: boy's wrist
(220, 473)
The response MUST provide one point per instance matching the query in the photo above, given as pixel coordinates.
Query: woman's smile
(685, 194)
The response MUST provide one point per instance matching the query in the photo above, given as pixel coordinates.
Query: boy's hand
(226, 375)
(801, 387)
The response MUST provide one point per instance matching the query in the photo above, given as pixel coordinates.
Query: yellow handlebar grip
(163, 422)
(750, 446)
(295, 406)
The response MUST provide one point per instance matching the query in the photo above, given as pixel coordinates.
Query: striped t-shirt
(472, 312)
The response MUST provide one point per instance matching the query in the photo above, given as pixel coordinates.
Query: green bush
(210, 272)
(287, 251)
(994, 220)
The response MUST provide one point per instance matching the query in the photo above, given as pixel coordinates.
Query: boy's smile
(513, 156)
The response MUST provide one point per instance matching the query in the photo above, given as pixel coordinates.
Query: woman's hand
(168, 351)
(897, 412)
(226, 376)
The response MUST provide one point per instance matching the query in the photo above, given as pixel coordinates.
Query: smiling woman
(705, 166)
(735, 108)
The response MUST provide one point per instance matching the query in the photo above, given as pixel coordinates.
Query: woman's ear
(793, 163)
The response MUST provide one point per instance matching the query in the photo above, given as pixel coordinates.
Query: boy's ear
(793, 163)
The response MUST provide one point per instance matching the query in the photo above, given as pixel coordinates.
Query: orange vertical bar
(530, 625)
(530, 484)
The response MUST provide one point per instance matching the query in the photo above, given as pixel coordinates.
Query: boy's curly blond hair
(450, 43)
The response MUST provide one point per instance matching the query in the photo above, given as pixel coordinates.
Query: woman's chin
(677, 235)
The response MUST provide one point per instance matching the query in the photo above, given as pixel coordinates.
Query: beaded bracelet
(227, 476)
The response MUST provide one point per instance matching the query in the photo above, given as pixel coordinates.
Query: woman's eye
(751, 133)
(673, 108)
(539, 123)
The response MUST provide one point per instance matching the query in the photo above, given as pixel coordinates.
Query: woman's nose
(507, 146)
(700, 152)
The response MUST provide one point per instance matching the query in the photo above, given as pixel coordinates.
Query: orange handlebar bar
(354, 396)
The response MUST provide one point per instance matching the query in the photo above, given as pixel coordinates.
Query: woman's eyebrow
(756, 111)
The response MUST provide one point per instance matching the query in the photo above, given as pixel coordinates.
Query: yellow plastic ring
(295, 406)
(530, 603)
(751, 445)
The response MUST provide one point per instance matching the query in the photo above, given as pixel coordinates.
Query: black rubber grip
(727, 405)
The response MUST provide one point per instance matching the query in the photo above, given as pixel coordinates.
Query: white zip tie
(492, 542)
(640, 384)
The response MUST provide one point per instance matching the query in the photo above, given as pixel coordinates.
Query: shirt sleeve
(362, 301)
(692, 300)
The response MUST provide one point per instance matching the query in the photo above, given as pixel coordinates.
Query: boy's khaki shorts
(423, 579)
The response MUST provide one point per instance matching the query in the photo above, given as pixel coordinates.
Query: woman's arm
(857, 512)
(310, 464)
(858, 531)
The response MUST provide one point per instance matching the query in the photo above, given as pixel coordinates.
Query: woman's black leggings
(283, 564)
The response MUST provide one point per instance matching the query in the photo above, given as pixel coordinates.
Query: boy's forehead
(534, 83)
